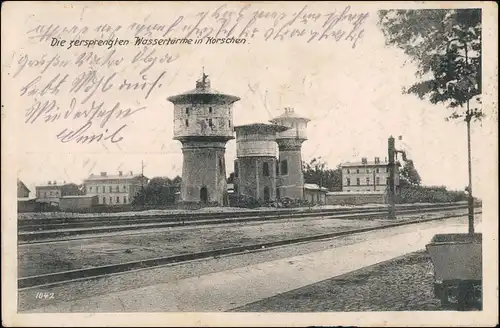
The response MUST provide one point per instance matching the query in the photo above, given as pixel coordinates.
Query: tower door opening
(204, 195)
(266, 194)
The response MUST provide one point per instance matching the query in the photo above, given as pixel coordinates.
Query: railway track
(51, 279)
(46, 229)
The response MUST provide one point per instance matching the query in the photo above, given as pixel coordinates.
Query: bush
(419, 194)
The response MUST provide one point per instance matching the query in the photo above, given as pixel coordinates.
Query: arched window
(265, 169)
(284, 167)
(204, 194)
(221, 166)
(266, 194)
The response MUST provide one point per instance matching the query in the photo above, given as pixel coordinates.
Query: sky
(351, 95)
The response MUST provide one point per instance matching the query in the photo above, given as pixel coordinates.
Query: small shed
(315, 194)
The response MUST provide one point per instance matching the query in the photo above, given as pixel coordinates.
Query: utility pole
(391, 189)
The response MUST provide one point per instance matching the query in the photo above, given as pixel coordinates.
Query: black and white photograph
(249, 163)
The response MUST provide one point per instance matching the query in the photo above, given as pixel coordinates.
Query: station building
(367, 176)
(117, 189)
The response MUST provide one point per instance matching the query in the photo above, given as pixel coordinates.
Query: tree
(409, 174)
(71, 189)
(445, 44)
(159, 191)
(230, 179)
(317, 172)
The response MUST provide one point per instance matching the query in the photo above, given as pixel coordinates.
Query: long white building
(367, 176)
(117, 189)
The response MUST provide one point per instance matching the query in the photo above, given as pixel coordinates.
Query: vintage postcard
(249, 163)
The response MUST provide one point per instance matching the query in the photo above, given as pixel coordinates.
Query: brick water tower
(291, 178)
(256, 163)
(203, 123)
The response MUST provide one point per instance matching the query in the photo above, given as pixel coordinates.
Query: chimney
(103, 174)
(50, 183)
(131, 173)
(55, 182)
(377, 160)
(364, 160)
(120, 173)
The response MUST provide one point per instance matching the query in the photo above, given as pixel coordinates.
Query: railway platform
(220, 285)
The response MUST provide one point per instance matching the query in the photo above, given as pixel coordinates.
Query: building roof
(290, 115)
(78, 196)
(352, 193)
(368, 163)
(26, 199)
(94, 177)
(21, 184)
(56, 185)
(261, 128)
(313, 186)
(202, 93)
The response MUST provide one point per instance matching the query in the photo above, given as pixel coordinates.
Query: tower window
(187, 110)
(348, 171)
(210, 110)
(358, 182)
(348, 181)
(265, 169)
(210, 123)
(284, 167)
(229, 123)
(221, 166)
(187, 122)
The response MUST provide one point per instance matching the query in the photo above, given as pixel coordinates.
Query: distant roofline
(261, 127)
(78, 196)
(96, 177)
(381, 163)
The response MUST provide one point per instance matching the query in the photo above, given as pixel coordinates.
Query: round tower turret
(291, 178)
(256, 163)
